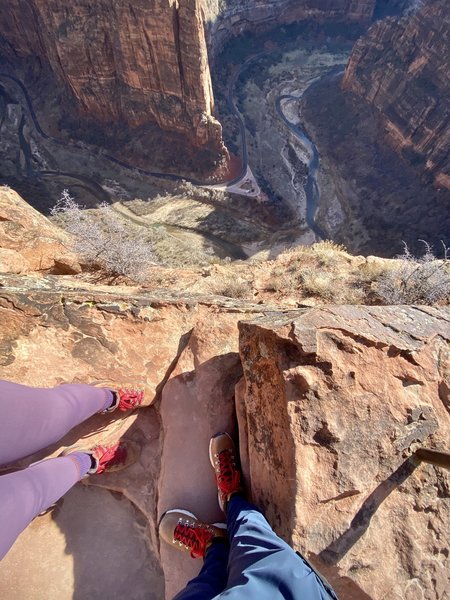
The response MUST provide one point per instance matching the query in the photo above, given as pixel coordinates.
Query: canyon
(123, 64)
(143, 66)
(383, 132)
(239, 16)
(328, 392)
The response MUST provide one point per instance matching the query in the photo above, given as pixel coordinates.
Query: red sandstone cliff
(402, 69)
(124, 62)
(146, 61)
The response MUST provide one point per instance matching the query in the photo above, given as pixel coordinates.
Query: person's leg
(261, 565)
(26, 493)
(183, 531)
(212, 578)
(33, 418)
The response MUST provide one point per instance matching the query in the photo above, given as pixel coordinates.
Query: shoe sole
(179, 510)
(189, 514)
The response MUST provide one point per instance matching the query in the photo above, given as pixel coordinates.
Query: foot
(183, 529)
(110, 458)
(222, 455)
(126, 397)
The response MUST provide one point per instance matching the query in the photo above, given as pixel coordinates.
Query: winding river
(311, 188)
(113, 159)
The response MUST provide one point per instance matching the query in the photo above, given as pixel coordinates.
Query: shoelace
(228, 477)
(112, 456)
(194, 538)
(129, 398)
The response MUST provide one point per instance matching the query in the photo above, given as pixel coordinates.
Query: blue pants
(257, 565)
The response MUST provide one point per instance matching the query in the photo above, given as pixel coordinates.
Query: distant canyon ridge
(129, 63)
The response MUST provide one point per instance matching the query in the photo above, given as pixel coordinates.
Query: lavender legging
(32, 419)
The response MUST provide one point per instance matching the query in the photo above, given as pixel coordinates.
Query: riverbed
(284, 159)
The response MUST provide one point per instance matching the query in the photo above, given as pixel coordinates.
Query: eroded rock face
(124, 62)
(401, 67)
(333, 403)
(29, 242)
(257, 15)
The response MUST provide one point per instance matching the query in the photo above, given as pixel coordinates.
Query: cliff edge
(329, 404)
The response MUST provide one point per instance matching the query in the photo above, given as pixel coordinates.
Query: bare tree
(104, 240)
(424, 280)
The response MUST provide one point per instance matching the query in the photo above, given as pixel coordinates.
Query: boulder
(29, 242)
(333, 404)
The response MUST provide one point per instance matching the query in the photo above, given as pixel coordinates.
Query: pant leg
(261, 565)
(24, 494)
(33, 418)
(212, 579)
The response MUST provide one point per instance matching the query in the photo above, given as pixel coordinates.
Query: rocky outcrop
(29, 242)
(124, 62)
(185, 349)
(334, 402)
(331, 403)
(401, 68)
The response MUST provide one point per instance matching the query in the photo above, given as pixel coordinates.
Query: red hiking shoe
(111, 458)
(114, 458)
(126, 397)
(222, 455)
(182, 528)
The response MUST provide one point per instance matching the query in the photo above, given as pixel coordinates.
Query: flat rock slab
(91, 546)
(197, 402)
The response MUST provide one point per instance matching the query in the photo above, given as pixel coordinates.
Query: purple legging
(32, 419)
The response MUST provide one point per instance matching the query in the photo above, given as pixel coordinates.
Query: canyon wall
(144, 62)
(401, 68)
(124, 62)
(239, 16)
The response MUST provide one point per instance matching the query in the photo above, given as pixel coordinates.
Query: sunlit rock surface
(329, 404)
(29, 242)
(333, 402)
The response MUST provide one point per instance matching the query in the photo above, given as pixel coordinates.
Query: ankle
(112, 401)
(217, 539)
(238, 492)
